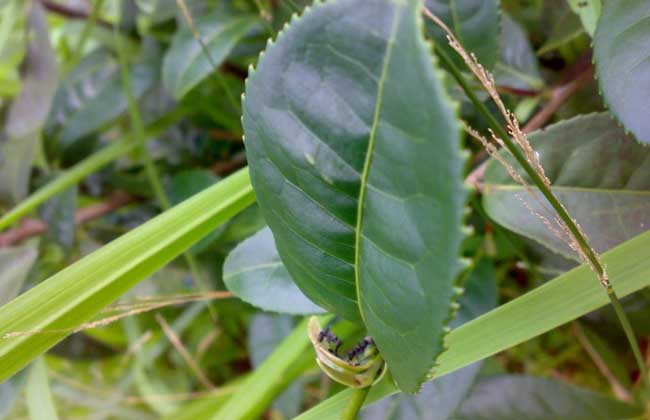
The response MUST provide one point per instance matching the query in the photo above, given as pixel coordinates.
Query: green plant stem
(586, 249)
(150, 168)
(85, 34)
(351, 411)
(86, 167)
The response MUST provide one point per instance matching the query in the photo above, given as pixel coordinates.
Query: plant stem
(150, 168)
(356, 402)
(586, 249)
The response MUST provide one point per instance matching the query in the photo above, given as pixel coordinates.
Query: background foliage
(113, 113)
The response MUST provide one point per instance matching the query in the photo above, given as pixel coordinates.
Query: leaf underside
(346, 112)
(597, 172)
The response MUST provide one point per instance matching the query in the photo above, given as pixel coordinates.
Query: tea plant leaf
(76, 294)
(514, 397)
(597, 172)
(109, 103)
(623, 63)
(355, 158)
(439, 398)
(38, 395)
(185, 64)
(474, 22)
(557, 302)
(589, 12)
(254, 273)
(517, 66)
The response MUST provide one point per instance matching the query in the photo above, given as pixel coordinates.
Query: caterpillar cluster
(360, 349)
(333, 342)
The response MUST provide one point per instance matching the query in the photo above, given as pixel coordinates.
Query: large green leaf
(599, 173)
(354, 153)
(557, 302)
(439, 398)
(254, 272)
(623, 62)
(76, 294)
(474, 22)
(515, 397)
(186, 64)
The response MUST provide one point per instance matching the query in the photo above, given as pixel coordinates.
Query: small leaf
(566, 29)
(38, 395)
(597, 172)
(518, 67)
(355, 158)
(474, 22)
(59, 214)
(110, 102)
(516, 397)
(589, 12)
(186, 64)
(623, 62)
(254, 272)
(15, 264)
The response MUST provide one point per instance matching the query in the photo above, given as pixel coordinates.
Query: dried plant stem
(528, 159)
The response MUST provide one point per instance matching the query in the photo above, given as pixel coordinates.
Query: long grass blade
(76, 294)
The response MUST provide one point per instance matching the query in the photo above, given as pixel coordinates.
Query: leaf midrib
(369, 155)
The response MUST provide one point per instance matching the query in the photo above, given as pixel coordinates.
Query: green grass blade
(76, 294)
(557, 302)
(86, 167)
(37, 392)
(270, 379)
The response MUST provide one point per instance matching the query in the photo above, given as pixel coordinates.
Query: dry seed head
(558, 227)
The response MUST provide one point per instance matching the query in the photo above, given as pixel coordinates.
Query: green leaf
(110, 102)
(59, 214)
(515, 397)
(440, 397)
(555, 303)
(186, 64)
(272, 377)
(623, 63)
(76, 294)
(254, 273)
(517, 67)
(597, 172)
(15, 263)
(589, 12)
(354, 153)
(474, 22)
(28, 112)
(38, 395)
(567, 28)
(86, 167)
